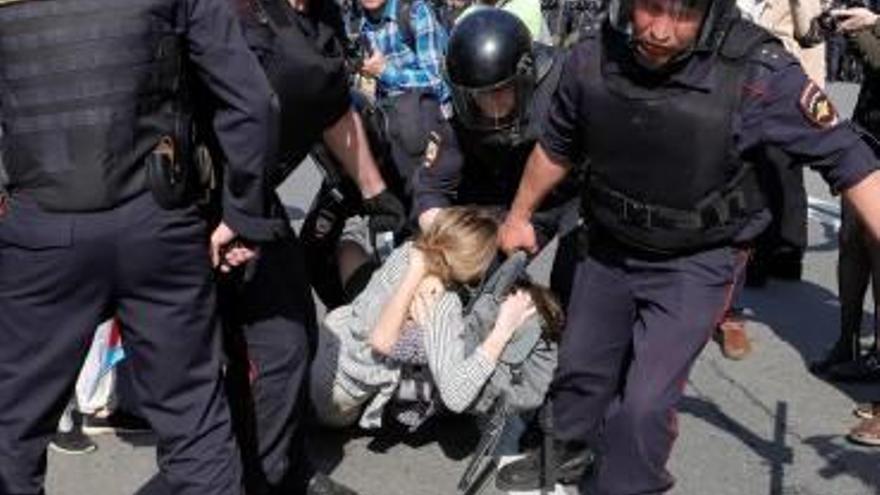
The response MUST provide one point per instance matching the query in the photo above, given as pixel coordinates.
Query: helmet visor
(493, 108)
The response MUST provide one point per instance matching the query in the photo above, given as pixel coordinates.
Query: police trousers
(634, 328)
(63, 274)
(270, 332)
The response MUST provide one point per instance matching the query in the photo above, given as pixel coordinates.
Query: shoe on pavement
(866, 369)
(866, 433)
(573, 461)
(839, 354)
(732, 337)
(321, 484)
(72, 442)
(867, 410)
(118, 422)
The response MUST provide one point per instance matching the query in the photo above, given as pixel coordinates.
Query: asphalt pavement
(760, 426)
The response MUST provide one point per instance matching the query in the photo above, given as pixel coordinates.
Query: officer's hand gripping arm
(542, 173)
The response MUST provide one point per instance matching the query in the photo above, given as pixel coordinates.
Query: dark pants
(270, 327)
(634, 328)
(785, 239)
(60, 276)
(857, 263)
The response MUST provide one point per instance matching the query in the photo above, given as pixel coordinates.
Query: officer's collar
(691, 73)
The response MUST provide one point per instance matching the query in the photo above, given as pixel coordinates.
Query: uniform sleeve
(562, 135)
(459, 377)
(783, 108)
(246, 117)
(435, 184)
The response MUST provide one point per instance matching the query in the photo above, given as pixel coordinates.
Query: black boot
(864, 369)
(573, 461)
(842, 352)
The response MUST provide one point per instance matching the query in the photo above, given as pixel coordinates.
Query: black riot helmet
(713, 16)
(491, 70)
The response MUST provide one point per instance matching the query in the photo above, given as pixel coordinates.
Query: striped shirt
(407, 69)
(360, 370)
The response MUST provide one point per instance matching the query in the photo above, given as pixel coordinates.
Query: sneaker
(868, 410)
(72, 442)
(573, 461)
(866, 433)
(118, 422)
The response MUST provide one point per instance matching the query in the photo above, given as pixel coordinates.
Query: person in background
(859, 256)
(780, 249)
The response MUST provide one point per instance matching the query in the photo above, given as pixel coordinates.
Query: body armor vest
(88, 88)
(664, 174)
(304, 61)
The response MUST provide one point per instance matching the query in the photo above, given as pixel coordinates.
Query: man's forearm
(348, 142)
(542, 173)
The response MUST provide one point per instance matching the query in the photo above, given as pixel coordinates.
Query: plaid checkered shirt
(405, 69)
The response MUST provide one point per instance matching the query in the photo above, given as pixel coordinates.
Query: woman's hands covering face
(425, 300)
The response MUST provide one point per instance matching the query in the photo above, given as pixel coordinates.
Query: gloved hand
(386, 213)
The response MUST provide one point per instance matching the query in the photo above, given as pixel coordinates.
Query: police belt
(716, 209)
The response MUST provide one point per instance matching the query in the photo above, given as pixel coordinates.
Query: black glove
(386, 213)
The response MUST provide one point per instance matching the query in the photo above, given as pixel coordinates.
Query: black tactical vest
(303, 57)
(665, 175)
(87, 90)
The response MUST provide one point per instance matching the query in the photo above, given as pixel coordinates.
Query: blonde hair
(459, 244)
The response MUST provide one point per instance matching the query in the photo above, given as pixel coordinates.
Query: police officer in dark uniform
(500, 97)
(268, 309)
(100, 219)
(687, 95)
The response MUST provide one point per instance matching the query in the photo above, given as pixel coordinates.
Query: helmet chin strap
(507, 136)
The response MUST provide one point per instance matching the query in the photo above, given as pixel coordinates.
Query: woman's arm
(388, 327)
(514, 311)
(460, 377)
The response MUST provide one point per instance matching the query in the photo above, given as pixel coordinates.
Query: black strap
(716, 209)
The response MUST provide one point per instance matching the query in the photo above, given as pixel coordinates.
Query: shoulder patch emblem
(432, 150)
(816, 106)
